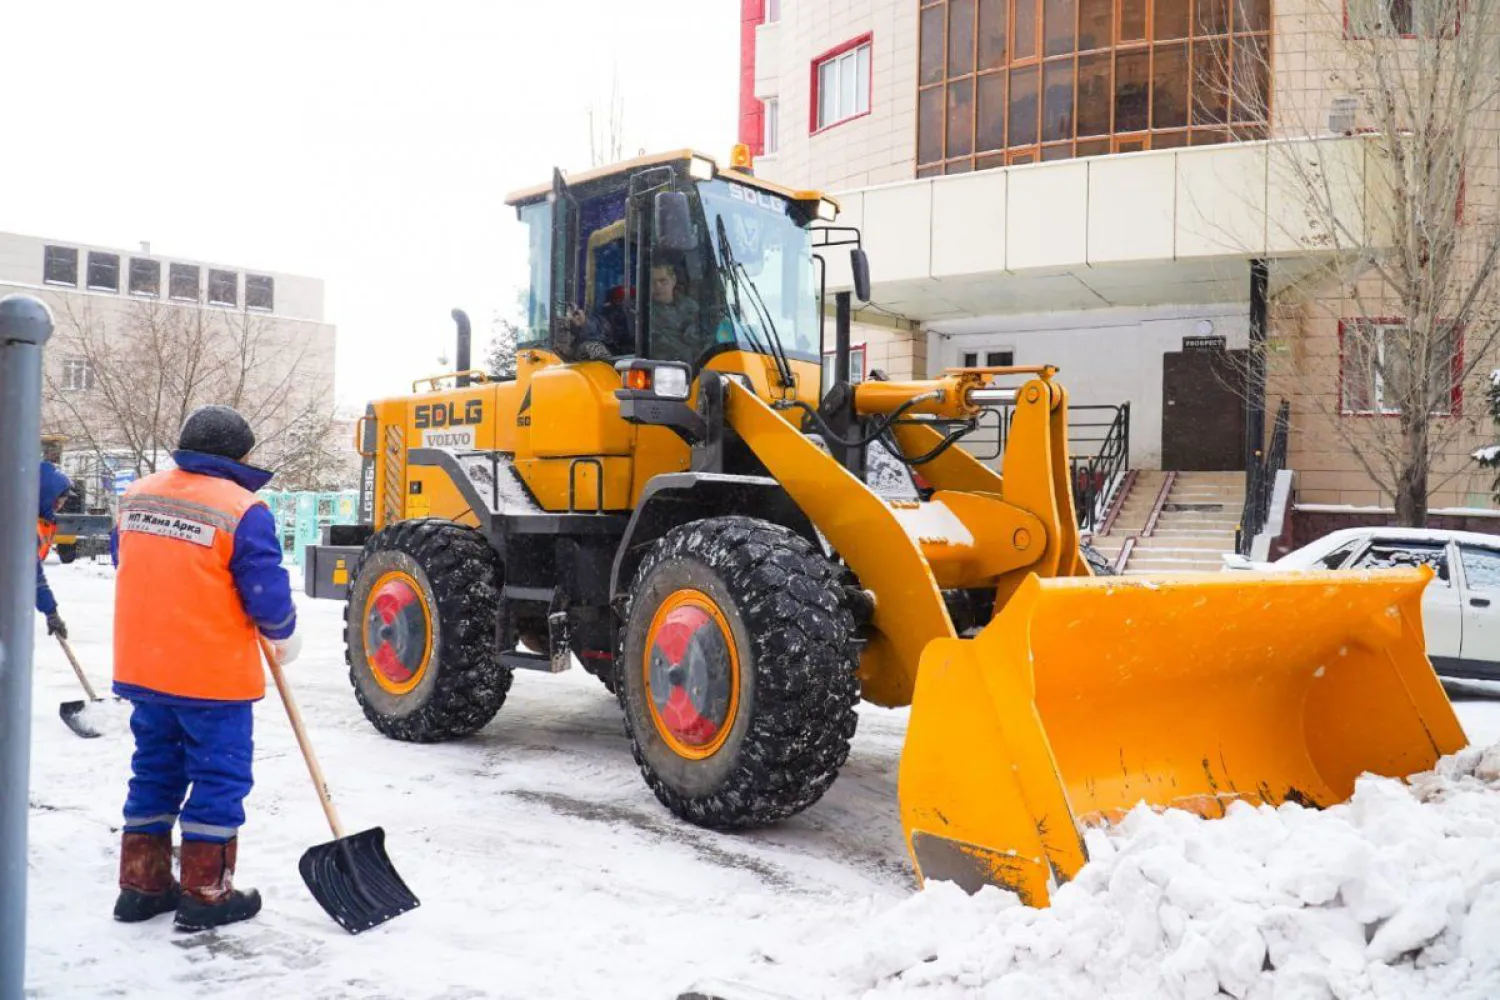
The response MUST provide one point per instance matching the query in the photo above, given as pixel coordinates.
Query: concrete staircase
(1194, 528)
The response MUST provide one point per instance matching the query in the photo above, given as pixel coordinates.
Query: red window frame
(863, 347)
(868, 38)
(1456, 393)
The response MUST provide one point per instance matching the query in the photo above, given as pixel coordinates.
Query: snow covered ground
(547, 869)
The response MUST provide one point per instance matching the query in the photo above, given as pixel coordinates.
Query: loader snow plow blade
(1084, 697)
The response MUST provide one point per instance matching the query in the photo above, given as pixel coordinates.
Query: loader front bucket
(1084, 697)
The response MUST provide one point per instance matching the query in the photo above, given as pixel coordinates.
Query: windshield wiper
(738, 277)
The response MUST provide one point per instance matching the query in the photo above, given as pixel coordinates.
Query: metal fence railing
(1260, 482)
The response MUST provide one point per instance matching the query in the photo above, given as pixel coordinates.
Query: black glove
(55, 626)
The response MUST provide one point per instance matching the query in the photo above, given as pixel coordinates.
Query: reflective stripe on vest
(180, 628)
(46, 531)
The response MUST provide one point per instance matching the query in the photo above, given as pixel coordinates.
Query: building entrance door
(1203, 410)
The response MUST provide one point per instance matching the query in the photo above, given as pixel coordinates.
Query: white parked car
(1461, 606)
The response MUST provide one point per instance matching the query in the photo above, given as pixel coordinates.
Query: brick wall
(1310, 525)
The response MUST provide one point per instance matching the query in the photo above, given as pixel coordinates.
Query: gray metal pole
(25, 325)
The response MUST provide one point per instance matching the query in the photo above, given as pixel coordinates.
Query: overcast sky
(366, 142)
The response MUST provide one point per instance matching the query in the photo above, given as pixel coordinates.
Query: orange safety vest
(180, 628)
(46, 531)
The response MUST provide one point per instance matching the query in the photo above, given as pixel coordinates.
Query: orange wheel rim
(692, 674)
(398, 633)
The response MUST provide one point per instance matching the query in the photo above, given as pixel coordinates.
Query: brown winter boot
(209, 898)
(146, 884)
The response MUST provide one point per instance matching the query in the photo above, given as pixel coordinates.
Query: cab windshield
(763, 260)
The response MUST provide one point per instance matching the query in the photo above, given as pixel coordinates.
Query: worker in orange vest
(54, 489)
(200, 581)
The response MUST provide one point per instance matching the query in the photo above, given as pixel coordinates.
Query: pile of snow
(1393, 894)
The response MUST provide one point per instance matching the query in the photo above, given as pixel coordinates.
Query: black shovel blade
(353, 879)
(75, 716)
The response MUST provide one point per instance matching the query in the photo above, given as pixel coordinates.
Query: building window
(183, 282)
(145, 277)
(992, 359)
(1408, 18)
(1377, 367)
(223, 288)
(260, 292)
(104, 272)
(773, 126)
(773, 11)
(1001, 82)
(856, 366)
(60, 266)
(77, 375)
(841, 84)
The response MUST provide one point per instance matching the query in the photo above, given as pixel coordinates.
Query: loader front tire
(419, 631)
(737, 673)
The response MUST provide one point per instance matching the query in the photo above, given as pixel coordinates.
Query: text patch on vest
(169, 526)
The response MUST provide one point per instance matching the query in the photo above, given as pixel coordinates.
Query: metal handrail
(1117, 502)
(1095, 476)
(1260, 482)
(1159, 506)
(1098, 446)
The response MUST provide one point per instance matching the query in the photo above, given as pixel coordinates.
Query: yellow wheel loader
(665, 493)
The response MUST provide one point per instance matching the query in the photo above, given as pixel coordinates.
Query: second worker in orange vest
(199, 580)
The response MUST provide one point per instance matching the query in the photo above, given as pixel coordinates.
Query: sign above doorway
(1213, 343)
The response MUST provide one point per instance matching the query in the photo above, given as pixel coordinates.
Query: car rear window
(1385, 555)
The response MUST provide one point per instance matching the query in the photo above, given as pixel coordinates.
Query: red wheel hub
(691, 675)
(397, 632)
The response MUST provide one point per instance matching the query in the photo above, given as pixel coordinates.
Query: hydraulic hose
(882, 425)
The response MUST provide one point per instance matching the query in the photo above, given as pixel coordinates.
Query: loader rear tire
(737, 674)
(419, 631)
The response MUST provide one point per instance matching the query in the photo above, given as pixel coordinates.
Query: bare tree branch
(1421, 247)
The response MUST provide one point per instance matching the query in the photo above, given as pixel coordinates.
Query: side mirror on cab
(673, 219)
(859, 264)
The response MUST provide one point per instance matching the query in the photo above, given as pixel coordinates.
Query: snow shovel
(351, 876)
(75, 713)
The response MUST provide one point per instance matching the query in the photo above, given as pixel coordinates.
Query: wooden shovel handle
(88, 688)
(302, 742)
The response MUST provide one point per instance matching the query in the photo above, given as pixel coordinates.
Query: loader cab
(675, 260)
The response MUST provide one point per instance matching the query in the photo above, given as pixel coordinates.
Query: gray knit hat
(217, 430)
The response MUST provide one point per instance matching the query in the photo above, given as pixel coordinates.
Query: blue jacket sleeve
(264, 589)
(45, 602)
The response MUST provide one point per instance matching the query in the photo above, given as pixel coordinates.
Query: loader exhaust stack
(462, 351)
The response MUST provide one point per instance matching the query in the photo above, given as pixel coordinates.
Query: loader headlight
(665, 381)
(701, 168)
(827, 210)
(670, 383)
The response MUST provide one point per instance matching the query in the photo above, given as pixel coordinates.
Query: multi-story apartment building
(139, 336)
(1097, 184)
